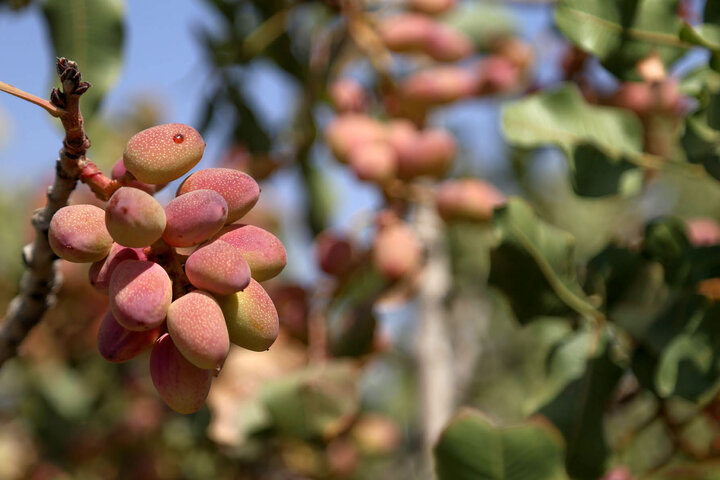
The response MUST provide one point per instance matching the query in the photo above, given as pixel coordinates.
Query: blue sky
(161, 51)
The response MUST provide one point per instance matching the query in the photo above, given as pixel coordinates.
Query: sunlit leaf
(599, 142)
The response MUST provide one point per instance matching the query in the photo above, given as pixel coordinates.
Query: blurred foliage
(583, 320)
(622, 32)
(600, 143)
(471, 448)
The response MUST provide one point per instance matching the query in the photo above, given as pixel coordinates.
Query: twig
(259, 39)
(41, 281)
(365, 35)
(317, 334)
(41, 102)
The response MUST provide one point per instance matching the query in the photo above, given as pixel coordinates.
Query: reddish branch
(41, 280)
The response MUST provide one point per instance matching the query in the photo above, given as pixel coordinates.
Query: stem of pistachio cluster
(102, 186)
(166, 256)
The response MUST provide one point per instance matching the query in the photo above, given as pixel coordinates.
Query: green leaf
(699, 140)
(317, 402)
(622, 32)
(684, 367)
(699, 81)
(713, 112)
(91, 33)
(563, 118)
(66, 390)
(351, 319)
(677, 354)
(668, 323)
(564, 363)
(689, 366)
(667, 243)
(578, 412)
(534, 265)
(712, 12)
(471, 448)
(353, 331)
(469, 245)
(601, 143)
(481, 22)
(641, 300)
(707, 36)
(597, 175)
(704, 263)
(702, 144)
(611, 272)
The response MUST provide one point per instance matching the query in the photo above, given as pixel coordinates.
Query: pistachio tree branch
(434, 353)
(40, 282)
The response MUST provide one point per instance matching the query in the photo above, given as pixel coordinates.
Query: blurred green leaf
(596, 174)
(644, 298)
(699, 140)
(353, 333)
(707, 36)
(564, 363)
(713, 111)
(90, 32)
(599, 142)
(703, 79)
(669, 323)
(563, 118)
(471, 448)
(689, 365)
(667, 243)
(319, 193)
(611, 272)
(534, 265)
(317, 402)
(12, 237)
(676, 354)
(65, 390)
(482, 22)
(469, 244)
(622, 32)
(578, 411)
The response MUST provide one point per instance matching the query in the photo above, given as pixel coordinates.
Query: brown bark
(41, 280)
